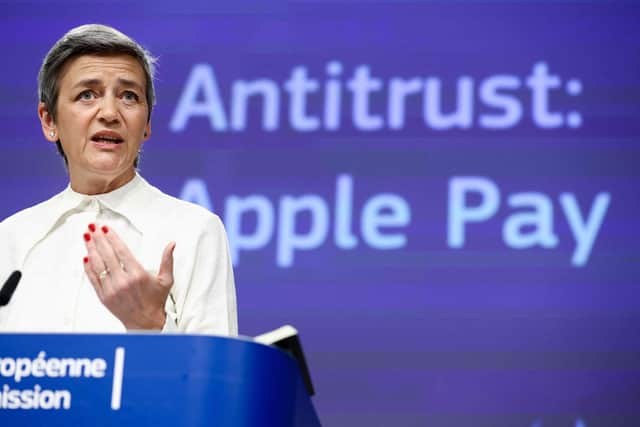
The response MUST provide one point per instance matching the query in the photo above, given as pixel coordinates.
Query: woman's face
(101, 118)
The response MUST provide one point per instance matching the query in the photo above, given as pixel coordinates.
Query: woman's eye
(86, 95)
(130, 96)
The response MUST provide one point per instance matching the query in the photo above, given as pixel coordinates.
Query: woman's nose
(108, 109)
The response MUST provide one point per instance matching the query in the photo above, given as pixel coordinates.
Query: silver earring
(52, 134)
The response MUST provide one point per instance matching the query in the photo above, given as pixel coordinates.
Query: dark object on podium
(286, 338)
(149, 379)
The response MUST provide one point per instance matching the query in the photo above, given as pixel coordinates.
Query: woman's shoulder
(171, 207)
(31, 215)
(21, 230)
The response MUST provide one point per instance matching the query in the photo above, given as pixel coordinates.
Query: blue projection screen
(443, 197)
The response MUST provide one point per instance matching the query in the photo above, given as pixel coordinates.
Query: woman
(111, 253)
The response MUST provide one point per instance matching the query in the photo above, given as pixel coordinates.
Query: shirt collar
(134, 201)
(130, 201)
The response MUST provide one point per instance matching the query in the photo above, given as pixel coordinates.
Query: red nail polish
(87, 237)
(105, 230)
(85, 259)
(92, 227)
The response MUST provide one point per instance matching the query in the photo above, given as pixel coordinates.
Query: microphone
(9, 288)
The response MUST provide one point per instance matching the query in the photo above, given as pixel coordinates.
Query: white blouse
(45, 242)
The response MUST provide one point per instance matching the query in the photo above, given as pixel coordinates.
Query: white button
(95, 205)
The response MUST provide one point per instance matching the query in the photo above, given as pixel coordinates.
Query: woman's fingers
(94, 266)
(165, 272)
(93, 278)
(120, 250)
(108, 255)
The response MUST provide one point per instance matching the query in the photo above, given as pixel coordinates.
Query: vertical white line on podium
(118, 370)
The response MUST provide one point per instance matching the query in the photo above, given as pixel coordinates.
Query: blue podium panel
(148, 379)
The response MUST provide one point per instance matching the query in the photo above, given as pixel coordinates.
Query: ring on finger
(104, 273)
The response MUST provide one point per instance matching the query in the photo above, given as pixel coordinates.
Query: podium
(148, 380)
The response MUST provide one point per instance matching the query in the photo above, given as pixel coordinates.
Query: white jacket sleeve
(207, 302)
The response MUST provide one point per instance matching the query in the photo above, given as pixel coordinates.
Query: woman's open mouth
(107, 138)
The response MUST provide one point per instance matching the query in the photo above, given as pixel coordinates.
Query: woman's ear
(147, 131)
(46, 122)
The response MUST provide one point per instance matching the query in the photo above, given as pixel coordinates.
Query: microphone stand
(9, 288)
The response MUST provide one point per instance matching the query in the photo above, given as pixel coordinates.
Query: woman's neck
(100, 184)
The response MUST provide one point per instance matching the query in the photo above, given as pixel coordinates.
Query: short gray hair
(90, 39)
